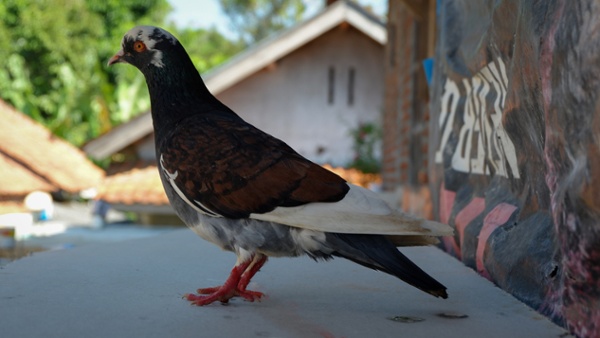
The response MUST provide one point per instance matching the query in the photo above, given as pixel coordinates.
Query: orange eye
(139, 46)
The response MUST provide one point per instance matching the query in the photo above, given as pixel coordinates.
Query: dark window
(351, 76)
(331, 88)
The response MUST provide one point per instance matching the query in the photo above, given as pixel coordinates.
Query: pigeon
(250, 193)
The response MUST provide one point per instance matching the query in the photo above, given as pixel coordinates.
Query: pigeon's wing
(226, 167)
(223, 166)
(360, 211)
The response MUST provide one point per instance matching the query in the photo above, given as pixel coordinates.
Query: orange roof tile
(355, 176)
(50, 158)
(17, 180)
(135, 186)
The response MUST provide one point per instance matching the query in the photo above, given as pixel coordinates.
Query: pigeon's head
(145, 47)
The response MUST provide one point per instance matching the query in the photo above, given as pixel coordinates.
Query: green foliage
(207, 48)
(123, 90)
(41, 57)
(256, 19)
(54, 55)
(367, 138)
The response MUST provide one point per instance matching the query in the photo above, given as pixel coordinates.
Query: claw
(223, 295)
(234, 286)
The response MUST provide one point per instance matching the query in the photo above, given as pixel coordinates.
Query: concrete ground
(134, 288)
(73, 226)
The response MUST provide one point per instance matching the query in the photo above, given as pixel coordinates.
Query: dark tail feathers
(377, 252)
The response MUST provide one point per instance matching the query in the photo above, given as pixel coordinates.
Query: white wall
(290, 101)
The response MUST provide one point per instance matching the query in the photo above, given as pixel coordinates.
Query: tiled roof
(32, 158)
(17, 180)
(135, 186)
(143, 186)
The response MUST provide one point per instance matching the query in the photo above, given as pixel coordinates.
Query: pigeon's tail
(377, 252)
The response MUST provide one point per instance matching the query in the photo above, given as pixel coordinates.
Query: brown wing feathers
(231, 168)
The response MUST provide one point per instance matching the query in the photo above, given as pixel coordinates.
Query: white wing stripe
(201, 208)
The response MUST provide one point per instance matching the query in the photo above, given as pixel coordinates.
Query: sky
(207, 13)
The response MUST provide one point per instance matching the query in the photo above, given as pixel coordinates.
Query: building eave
(119, 137)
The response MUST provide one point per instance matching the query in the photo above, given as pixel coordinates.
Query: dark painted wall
(515, 149)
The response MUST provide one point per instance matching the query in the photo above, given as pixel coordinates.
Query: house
(310, 86)
(33, 159)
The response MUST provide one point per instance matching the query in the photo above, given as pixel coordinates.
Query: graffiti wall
(515, 143)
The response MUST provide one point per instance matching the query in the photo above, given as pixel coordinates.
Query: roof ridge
(29, 168)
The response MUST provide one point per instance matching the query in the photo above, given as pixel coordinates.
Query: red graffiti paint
(467, 215)
(495, 218)
(446, 202)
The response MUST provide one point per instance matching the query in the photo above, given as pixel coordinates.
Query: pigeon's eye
(139, 46)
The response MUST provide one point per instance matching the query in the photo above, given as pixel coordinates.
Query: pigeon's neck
(177, 92)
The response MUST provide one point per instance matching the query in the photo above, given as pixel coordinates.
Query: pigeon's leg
(240, 276)
(257, 263)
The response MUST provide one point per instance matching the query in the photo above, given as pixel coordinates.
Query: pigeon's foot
(238, 292)
(223, 294)
(234, 286)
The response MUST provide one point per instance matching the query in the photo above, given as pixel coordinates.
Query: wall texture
(515, 149)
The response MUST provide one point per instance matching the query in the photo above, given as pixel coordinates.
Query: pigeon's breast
(251, 235)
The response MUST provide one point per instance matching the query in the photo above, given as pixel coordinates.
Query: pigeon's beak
(116, 58)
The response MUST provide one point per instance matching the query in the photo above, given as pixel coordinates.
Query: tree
(123, 90)
(256, 19)
(46, 69)
(54, 55)
(207, 48)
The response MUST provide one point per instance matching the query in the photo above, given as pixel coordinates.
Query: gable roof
(32, 158)
(119, 137)
(272, 49)
(249, 62)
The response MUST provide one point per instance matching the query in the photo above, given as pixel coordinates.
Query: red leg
(257, 263)
(234, 286)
